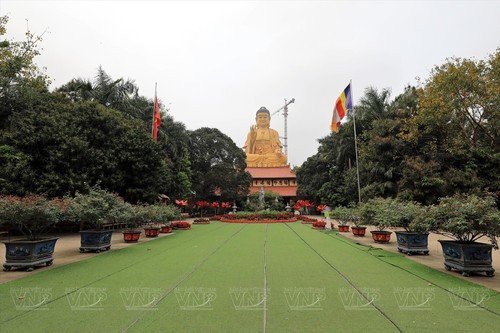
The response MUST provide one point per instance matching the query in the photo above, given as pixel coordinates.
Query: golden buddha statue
(263, 145)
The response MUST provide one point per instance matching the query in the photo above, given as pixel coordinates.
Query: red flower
(181, 202)
(319, 224)
(180, 224)
(321, 208)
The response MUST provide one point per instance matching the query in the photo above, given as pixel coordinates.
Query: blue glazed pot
(467, 257)
(412, 242)
(95, 240)
(29, 253)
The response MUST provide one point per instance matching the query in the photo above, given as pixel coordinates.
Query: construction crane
(285, 114)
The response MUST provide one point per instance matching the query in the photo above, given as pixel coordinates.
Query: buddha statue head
(263, 117)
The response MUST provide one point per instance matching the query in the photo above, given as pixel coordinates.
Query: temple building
(280, 180)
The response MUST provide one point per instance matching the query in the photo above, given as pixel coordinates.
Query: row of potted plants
(464, 218)
(92, 212)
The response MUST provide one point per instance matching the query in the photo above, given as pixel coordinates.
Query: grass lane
(461, 292)
(224, 295)
(211, 279)
(110, 279)
(305, 290)
(413, 303)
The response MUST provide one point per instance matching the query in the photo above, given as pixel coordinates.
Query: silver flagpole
(355, 143)
(154, 112)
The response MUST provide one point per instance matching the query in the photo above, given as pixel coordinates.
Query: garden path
(67, 251)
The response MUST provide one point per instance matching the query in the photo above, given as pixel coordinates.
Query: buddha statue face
(263, 120)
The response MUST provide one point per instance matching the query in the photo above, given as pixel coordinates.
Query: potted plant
(92, 210)
(466, 218)
(152, 228)
(133, 217)
(379, 213)
(201, 220)
(166, 228)
(165, 215)
(343, 216)
(158, 218)
(319, 225)
(357, 228)
(32, 215)
(181, 225)
(411, 217)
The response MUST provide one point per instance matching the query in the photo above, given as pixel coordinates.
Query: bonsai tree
(353, 212)
(95, 208)
(342, 215)
(390, 212)
(466, 218)
(132, 216)
(411, 216)
(32, 215)
(371, 214)
(158, 215)
(165, 214)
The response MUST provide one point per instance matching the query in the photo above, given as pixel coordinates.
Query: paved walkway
(67, 251)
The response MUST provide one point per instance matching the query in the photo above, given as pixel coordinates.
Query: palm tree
(120, 94)
(372, 106)
(112, 93)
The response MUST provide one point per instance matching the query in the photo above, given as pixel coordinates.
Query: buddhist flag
(156, 120)
(343, 103)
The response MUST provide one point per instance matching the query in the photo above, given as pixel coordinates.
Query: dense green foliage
(32, 215)
(218, 166)
(98, 131)
(429, 142)
(271, 201)
(465, 217)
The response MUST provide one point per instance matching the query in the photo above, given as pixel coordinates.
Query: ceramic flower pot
(29, 253)
(412, 242)
(95, 240)
(467, 257)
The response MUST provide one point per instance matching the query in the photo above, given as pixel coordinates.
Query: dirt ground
(67, 251)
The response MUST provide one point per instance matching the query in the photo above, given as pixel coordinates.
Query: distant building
(280, 180)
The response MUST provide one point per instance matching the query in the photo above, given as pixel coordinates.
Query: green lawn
(247, 278)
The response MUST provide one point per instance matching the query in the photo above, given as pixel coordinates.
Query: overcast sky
(217, 62)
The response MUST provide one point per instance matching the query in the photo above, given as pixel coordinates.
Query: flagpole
(154, 111)
(355, 144)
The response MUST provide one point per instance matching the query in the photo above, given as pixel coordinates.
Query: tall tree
(20, 78)
(454, 131)
(63, 145)
(218, 166)
(383, 151)
(311, 176)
